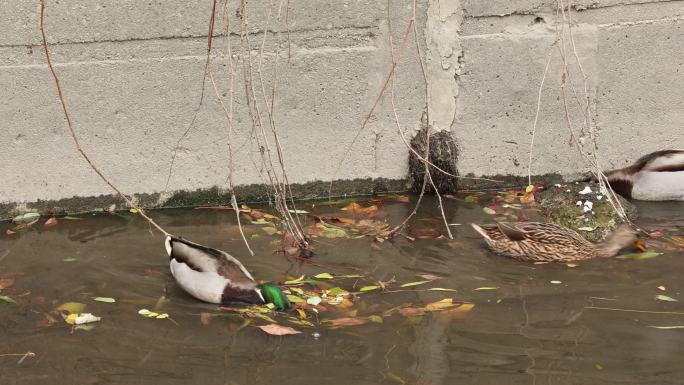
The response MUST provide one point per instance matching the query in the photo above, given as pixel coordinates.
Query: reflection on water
(528, 331)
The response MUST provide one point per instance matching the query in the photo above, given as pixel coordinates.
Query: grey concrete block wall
(132, 77)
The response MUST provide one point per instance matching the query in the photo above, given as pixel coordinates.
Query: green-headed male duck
(214, 276)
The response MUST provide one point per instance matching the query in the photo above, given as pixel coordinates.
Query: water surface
(528, 331)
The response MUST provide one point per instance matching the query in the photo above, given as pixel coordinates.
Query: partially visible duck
(548, 242)
(214, 276)
(658, 176)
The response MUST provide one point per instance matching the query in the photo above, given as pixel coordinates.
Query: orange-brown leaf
(278, 330)
(347, 321)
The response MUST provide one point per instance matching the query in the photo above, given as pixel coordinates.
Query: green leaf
(485, 288)
(416, 283)
(375, 318)
(28, 217)
(71, 308)
(470, 199)
(369, 288)
(294, 298)
(661, 297)
(69, 259)
(440, 289)
(104, 299)
(270, 230)
(70, 218)
(324, 276)
(7, 299)
(335, 291)
(333, 232)
(639, 256)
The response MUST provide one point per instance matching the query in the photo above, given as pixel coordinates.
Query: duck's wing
(538, 232)
(208, 260)
(661, 161)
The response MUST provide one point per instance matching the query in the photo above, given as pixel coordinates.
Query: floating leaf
(471, 199)
(147, 313)
(52, 221)
(661, 297)
(278, 330)
(369, 288)
(489, 210)
(416, 283)
(162, 316)
(84, 318)
(662, 288)
(295, 299)
(346, 321)
(298, 211)
(302, 313)
(6, 282)
(295, 281)
(314, 300)
(28, 217)
(375, 318)
(70, 218)
(134, 210)
(70, 307)
(324, 276)
(411, 311)
(270, 230)
(440, 289)
(332, 232)
(556, 282)
(69, 259)
(7, 299)
(430, 277)
(486, 288)
(443, 304)
(571, 264)
(585, 228)
(639, 256)
(104, 299)
(9, 232)
(668, 327)
(335, 291)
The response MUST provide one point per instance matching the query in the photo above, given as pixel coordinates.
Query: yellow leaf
(443, 304)
(71, 318)
(440, 289)
(295, 281)
(369, 288)
(375, 318)
(324, 276)
(414, 283)
(485, 288)
(133, 210)
(529, 188)
(302, 313)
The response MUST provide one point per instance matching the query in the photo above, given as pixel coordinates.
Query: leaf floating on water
(439, 305)
(324, 276)
(667, 327)
(6, 282)
(661, 297)
(471, 199)
(104, 299)
(489, 210)
(369, 288)
(84, 318)
(346, 321)
(70, 307)
(314, 300)
(69, 259)
(571, 265)
(52, 221)
(375, 318)
(133, 210)
(586, 228)
(661, 288)
(278, 330)
(298, 211)
(335, 291)
(440, 289)
(270, 230)
(70, 218)
(294, 298)
(10, 232)
(150, 314)
(430, 277)
(295, 281)
(486, 288)
(639, 256)
(556, 282)
(7, 299)
(28, 217)
(414, 283)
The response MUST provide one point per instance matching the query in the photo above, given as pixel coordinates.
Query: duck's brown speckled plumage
(547, 242)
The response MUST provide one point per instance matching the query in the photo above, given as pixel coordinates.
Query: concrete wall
(132, 77)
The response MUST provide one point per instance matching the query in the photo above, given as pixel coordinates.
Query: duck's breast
(658, 186)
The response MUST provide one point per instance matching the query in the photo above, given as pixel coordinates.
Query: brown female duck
(548, 242)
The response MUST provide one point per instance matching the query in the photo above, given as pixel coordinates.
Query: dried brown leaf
(278, 330)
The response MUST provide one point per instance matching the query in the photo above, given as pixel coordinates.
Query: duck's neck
(273, 294)
(623, 237)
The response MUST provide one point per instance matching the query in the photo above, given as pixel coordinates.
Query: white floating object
(579, 203)
(599, 197)
(587, 190)
(588, 205)
(557, 185)
(86, 318)
(556, 282)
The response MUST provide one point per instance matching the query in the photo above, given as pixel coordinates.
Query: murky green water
(528, 331)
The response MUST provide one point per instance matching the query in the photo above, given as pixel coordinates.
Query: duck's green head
(273, 294)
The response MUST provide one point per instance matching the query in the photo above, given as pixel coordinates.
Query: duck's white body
(658, 176)
(210, 275)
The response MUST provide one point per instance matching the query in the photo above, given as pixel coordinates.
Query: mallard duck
(535, 241)
(215, 276)
(658, 176)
